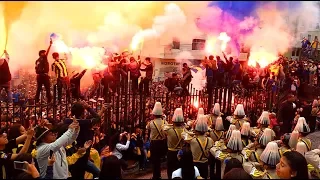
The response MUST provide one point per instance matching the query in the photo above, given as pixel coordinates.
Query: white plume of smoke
(106, 36)
(184, 57)
(270, 38)
(173, 17)
(248, 23)
(113, 24)
(84, 24)
(303, 19)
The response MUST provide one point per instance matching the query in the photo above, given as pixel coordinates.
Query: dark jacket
(78, 169)
(149, 70)
(228, 64)
(286, 115)
(171, 83)
(42, 65)
(86, 133)
(75, 84)
(5, 75)
(306, 112)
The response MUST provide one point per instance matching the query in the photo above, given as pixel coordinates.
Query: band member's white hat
(302, 126)
(219, 124)
(157, 109)
(229, 132)
(200, 112)
(202, 124)
(264, 118)
(271, 155)
(245, 129)
(239, 111)
(235, 142)
(216, 109)
(266, 137)
(178, 116)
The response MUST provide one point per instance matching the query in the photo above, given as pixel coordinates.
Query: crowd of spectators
(75, 132)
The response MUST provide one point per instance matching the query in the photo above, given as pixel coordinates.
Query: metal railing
(129, 109)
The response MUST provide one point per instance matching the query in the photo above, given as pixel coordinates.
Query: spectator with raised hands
(78, 161)
(7, 157)
(47, 141)
(85, 122)
(116, 147)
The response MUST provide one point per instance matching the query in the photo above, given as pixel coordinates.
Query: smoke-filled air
(83, 31)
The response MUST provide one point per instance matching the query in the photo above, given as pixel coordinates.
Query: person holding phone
(25, 168)
(46, 141)
(116, 147)
(6, 155)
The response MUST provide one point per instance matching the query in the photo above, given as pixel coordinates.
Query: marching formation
(220, 144)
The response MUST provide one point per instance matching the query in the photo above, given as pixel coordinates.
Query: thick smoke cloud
(263, 26)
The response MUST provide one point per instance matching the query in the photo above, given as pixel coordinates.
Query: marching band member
(174, 140)
(215, 114)
(229, 132)
(219, 142)
(217, 131)
(284, 144)
(263, 123)
(200, 146)
(233, 150)
(217, 135)
(157, 146)
(239, 116)
(245, 134)
(313, 159)
(269, 159)
(304, 144)
(253, 151)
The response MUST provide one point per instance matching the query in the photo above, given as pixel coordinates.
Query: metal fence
(129, 109)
